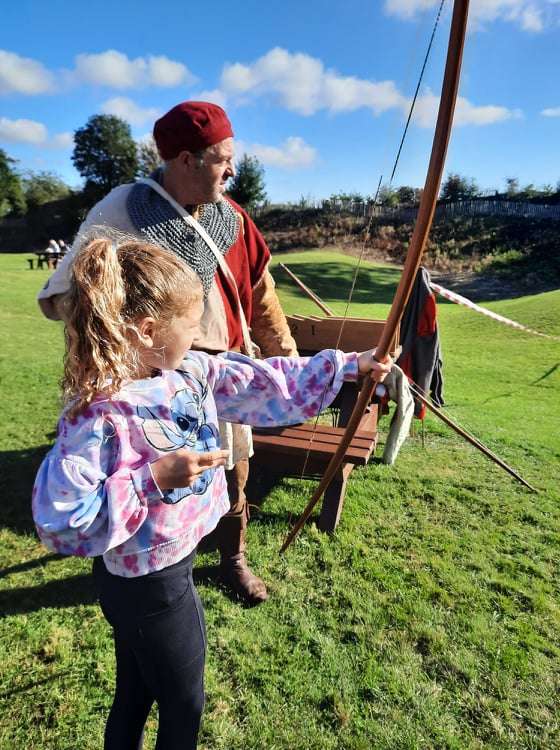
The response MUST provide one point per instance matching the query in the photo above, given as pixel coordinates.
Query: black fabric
(160, 644)
(422, 353)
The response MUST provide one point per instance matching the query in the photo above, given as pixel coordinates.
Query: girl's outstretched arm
(278, 390)
(84, 502)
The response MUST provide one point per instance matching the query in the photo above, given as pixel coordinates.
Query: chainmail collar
(156, 219)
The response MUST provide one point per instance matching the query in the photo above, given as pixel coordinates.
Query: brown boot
(231, 532)
(234, 570)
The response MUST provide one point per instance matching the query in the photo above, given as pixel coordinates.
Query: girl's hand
(368, 364)
(182, 467)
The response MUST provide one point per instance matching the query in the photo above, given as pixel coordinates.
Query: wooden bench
(294, 451)
(305, 451)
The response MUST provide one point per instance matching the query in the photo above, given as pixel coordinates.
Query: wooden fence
(475, 207)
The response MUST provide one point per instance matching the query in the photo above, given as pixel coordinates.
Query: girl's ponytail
(113, 286)
(98, 352)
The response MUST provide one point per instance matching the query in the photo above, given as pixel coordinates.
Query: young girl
(135, 478)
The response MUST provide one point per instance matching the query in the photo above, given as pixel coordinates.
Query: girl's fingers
(212, 458)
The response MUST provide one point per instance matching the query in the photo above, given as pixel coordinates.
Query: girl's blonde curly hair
(114, 284)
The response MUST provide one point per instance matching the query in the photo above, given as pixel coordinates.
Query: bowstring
(367, 235)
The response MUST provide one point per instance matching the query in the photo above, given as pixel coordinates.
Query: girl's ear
(145, 329)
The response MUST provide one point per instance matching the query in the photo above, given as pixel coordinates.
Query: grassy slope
(431, 619)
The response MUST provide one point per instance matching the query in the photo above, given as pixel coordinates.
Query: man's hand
(182, 467)
(368, 364)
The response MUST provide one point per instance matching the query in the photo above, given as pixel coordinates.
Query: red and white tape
(460, 300)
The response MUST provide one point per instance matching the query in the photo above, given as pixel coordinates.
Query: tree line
(454, 188)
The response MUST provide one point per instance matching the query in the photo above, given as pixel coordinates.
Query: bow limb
(416, 248)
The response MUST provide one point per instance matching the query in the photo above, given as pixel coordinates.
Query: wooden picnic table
(44, 258)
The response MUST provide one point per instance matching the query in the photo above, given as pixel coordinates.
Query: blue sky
(318, 91)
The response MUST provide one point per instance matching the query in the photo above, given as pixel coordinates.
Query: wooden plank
(292, 464)
(327, 429)
(324, 439)
(287, 445)
(319, 440)
(314, 333)
(292, 445)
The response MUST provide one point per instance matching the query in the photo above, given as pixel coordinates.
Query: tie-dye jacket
(95, 493)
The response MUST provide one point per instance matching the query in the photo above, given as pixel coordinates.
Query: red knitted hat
(191, 126)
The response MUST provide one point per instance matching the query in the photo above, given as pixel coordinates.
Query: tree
(406, 194)
(12, 198)
(512, 187)
(387, 196)
(105, 153)
(247, 187)
(458, 188)
(43, 187)
(148, 157)
(529, 192)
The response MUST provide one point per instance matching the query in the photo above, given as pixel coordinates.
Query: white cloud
(116, 70)
(32, 133)
(129, 110)
(302, 84)
(531, 19)
(551, 112)
(168, 73)
(22, 75)
(408, 8)
(293, 153)
(216, 96)
(23, 131)
(528, 14)
(466, 113)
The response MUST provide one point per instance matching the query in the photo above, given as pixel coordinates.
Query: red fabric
(427, 323)
(247, 259)
(191, 126)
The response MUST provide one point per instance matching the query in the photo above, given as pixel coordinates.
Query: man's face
(209, 177)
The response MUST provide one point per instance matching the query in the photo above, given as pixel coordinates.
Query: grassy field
(431, 619)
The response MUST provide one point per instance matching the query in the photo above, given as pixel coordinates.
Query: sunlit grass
(431, 618)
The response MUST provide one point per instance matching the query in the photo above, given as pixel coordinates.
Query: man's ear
(145, 329)
(186, 159)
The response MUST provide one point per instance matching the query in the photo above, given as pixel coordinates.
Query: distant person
(136, 479)
(52, 253)
(184, 208)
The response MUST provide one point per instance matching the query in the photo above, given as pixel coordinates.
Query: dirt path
(487, 287)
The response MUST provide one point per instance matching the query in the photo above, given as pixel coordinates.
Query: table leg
(333, 500)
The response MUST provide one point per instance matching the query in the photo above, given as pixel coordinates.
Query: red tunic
(247, 259)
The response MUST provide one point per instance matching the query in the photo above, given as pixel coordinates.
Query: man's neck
(177, 190)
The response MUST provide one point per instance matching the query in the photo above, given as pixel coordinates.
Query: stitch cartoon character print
(184, 425)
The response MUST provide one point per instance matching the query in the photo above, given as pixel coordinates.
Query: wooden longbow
(416, 248)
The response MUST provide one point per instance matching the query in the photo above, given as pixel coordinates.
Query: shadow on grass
(29, 565)
(33, 684)
(67, 592)
(334, 281)
(522, 388)
(17, 475)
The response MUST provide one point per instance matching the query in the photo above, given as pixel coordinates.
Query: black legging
(158, 626)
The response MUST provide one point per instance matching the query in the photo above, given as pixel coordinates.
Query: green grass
(430, 620)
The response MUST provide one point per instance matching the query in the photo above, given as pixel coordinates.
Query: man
(195, 142)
